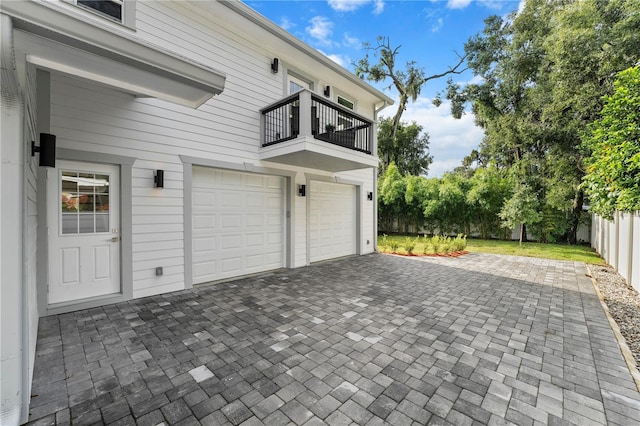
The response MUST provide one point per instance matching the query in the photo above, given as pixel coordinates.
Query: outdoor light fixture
(327, 91)
(47, 150)
(159, 179)
(370, 196)
(274, 66)
(302, 190)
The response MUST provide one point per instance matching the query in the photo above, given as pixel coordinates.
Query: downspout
(376, 111)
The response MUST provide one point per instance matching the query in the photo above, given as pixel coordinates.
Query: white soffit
(99, 53)
(115, 74)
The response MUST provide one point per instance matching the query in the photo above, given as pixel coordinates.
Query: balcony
(308, 131)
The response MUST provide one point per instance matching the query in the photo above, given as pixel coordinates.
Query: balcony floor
(317, 154)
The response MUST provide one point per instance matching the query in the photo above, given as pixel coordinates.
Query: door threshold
(88, 303)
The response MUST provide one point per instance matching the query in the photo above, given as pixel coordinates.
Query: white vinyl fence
(618, 242)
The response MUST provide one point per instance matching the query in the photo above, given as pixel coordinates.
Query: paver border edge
(624, 348)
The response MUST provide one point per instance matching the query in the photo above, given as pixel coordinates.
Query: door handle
(113, 239)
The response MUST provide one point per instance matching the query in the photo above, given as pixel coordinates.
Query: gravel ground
(624, 305)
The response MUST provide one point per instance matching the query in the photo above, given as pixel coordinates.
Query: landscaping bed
(623, 302)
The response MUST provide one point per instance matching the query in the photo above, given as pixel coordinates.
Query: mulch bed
(451, 254)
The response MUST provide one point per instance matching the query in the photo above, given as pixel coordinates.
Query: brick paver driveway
(366, 340)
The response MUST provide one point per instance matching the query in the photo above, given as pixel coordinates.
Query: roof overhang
(99, 53)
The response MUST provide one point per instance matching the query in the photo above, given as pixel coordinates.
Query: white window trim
(348, 99)
(128, 13)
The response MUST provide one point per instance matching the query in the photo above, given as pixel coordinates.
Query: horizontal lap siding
(95, 118)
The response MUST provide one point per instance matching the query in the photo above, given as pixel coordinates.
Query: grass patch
(575, 253)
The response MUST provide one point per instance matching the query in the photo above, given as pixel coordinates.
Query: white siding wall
(94, 118)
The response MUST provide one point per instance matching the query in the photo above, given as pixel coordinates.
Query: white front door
(84, 231)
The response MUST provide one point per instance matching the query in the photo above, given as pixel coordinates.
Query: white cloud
(351, 5)
(492, 4)
(320, 29)
(450, 140)
(349, 41)
(378, 7)
(458, 4)
(437, 26)
(347, 5)
(286, 24)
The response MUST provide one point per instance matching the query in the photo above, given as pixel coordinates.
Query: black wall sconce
(274, 65)
(47, 150)
(302, 190)
(370, 196)
(159, 179)
(327, 91)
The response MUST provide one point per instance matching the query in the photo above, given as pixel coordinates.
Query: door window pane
(84, 202)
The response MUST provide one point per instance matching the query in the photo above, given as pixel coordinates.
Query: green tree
(488, 192)
(521, 209)
(391, 205)
(544, 72)
(407, 82)
(612, 181)
(409, 150)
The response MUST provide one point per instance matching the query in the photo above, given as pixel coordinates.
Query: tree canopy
(409, 150)
(612, 181)
(543, 75)
(408, 81)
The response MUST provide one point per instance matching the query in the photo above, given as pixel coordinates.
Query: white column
(11, 214)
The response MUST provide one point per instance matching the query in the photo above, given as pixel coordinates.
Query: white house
(194, 142)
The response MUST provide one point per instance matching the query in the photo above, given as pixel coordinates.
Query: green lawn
(549, 251)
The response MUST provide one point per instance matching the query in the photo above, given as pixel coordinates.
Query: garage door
(332, 220)
(238, 223)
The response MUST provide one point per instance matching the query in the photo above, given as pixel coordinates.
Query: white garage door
(238, 223)
(332, 221)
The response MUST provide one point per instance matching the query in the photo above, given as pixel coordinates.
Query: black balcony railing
(329, 122)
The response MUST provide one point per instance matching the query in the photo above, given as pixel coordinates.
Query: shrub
(384, 242)
(459, 243)
(410, 245)
(425, 247)
(436, 243)
(446, 245)
(394, 246)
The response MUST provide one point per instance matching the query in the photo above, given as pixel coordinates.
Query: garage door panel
(238, 228)
(228, 221)
(332, 220)
(255, 240)
(254, 180)
(203, 223)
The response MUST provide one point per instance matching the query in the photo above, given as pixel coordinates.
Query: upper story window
(120, 11)
(296, 84)
(109, 8)
(346, 103)
(345, 121)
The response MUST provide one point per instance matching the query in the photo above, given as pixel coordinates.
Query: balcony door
(295, 84)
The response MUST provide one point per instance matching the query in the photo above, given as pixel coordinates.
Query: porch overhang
(114, 58)
(307, 151)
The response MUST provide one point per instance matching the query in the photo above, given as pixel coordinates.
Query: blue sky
(430, 33)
